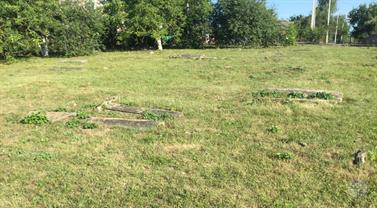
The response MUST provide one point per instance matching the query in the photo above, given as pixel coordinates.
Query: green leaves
(35, 118)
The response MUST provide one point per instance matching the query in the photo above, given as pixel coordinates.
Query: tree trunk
(159, 43)
(44, 47)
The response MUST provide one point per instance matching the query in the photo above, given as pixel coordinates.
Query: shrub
(35, 118)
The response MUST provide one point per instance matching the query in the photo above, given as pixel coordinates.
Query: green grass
(220, 154)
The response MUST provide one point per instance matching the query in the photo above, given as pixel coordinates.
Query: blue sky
(287, 8)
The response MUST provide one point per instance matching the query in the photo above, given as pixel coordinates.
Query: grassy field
(222, 153)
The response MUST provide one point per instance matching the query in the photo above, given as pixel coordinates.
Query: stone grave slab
(138, 110)
(191, 56)
(126, 123)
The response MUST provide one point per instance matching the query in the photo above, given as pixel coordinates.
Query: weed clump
(35, 118)
(74, 123)
(156, 117)
(82, 115)
(273, 129)
(321, 95)
(283, 156)
(90, 126)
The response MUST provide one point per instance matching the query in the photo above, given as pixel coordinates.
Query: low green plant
(296, 95)
(82, 115)
(266, 93)
(90, 126)
(35, 118)
(321, 95)
(273, 129)
(61, 109)
(373, 155)
(74, 123)
(155, 116)
(283, 156)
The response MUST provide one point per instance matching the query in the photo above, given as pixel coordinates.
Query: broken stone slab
(359, 158)
(338, 97)
(74, 61)
(54, 117)
(138, 110)
(191, 56)
(126, 123)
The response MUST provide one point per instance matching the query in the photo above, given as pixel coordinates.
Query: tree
(197, 26)
(157, 19)
(66, 28)
(364, 21)
(244, 22)
(115, 17)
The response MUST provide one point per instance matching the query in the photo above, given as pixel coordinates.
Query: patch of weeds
(90, 106)
(296, 95)
(42, 156)
(82, 115)
(321, 95)
(90, 126)
(74, 123)
(155, 117)
(273, 129)
(61, 109)
(35, 118)
(373, 155)
(266, 93)
(283, 156)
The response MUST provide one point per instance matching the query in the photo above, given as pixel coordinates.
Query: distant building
(370, 40)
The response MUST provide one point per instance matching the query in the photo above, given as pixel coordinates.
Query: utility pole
(314, 13)
(328, 23)
(336, 29)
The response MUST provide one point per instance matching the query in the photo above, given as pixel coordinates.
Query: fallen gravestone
(126, 123)
(112, 105)
(191, 56)
(54, 117)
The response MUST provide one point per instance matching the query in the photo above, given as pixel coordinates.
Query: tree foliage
(67, 28)
(156, 19)
(244, 22)
(197, 27)
(364, 21)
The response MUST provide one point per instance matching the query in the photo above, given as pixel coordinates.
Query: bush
(35, 118)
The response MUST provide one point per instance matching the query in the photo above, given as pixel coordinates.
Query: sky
(288, 8)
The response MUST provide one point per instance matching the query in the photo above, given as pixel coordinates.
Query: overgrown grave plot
(110, 113)
(147, 117)
(300, 95)
(192, 57)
